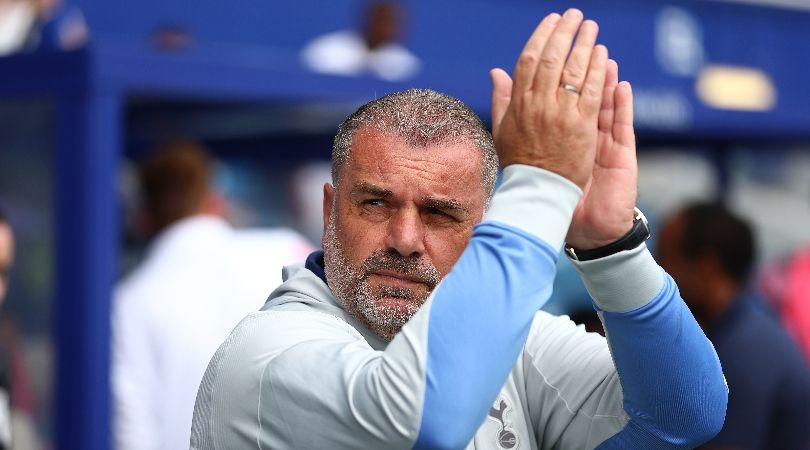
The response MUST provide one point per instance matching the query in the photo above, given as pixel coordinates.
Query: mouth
(398, 278)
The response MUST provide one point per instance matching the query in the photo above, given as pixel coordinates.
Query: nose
(406, 232)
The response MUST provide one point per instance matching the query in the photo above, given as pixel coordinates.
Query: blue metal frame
(88, 134)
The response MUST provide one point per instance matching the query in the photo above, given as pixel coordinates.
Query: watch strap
(639, 233)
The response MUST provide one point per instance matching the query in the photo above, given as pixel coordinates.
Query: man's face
(397, 222)
(6, 257)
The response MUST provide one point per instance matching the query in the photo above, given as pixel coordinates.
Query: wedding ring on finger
(570, 88)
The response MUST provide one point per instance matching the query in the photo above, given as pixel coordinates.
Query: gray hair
(421, 117)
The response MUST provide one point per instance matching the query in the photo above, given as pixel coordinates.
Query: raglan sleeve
(476, 325)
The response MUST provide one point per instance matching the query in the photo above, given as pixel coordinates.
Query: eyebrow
(450, 205)
(368, 188)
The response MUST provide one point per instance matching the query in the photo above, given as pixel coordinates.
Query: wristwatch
(635, 237)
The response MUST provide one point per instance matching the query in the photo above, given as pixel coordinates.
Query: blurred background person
(709, 252)
(16, 409)
(17, 17)
(375, 47)
(6, 254)
(6, 259)
(786, 284)
(198, 279)
(29, 25)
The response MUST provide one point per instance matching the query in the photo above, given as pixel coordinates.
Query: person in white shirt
(199, 278)
(374, 49)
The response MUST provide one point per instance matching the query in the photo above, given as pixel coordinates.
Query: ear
(328, 195)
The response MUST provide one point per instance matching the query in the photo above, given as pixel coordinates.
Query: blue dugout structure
(247, 51)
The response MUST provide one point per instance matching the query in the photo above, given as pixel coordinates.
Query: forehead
(446, 167)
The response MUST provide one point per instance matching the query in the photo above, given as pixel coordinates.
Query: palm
(605, 212)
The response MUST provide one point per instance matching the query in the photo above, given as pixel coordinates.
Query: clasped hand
(567, 113)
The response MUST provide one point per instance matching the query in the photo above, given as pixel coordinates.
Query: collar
(316, 265)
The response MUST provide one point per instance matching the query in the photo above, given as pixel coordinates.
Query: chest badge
(506, 438)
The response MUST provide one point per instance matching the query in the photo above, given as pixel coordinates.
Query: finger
(591, 96)
(623, 133)
(549, 70)
(530, 55)
(606, 110)
(501, 96)
(578, 62)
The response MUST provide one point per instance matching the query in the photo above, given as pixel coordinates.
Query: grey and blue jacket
(478, 366)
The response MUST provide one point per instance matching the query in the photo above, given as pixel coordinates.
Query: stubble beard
(352, 289)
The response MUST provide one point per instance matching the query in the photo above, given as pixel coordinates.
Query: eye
(373, 208)
(373, 202)
(374, 205)
(438, 214)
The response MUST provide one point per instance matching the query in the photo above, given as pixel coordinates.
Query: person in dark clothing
(709, 252)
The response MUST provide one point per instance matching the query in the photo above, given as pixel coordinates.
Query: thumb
(501, 96)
